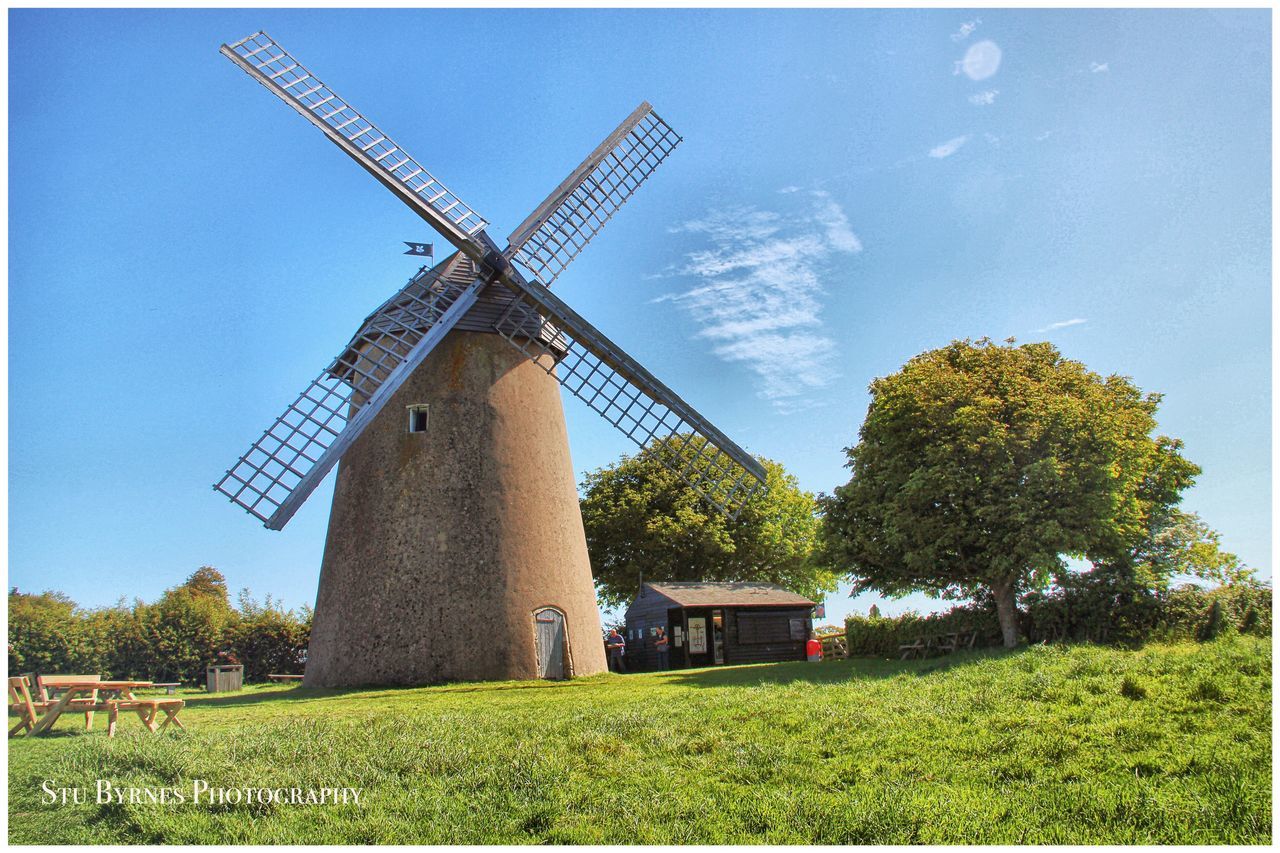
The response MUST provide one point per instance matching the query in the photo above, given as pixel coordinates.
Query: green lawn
(1168, 744)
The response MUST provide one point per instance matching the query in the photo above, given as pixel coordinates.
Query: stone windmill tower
(455, 548)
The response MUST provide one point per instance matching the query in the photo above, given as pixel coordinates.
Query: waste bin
(224, 678)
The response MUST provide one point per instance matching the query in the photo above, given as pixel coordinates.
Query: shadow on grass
(825, 672)
(743, 675)
(307, 694)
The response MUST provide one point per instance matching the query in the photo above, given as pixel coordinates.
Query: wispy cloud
(1097, 67)
(757, 288)
(984, 99)
(948, 148)
(1062, 325)
(966, 30)
(981, 60)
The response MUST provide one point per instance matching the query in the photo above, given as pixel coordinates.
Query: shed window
(764, 628)
(418, 418)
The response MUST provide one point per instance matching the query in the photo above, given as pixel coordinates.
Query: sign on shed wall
(697, 635)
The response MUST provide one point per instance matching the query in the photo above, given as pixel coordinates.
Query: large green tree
(981, 466)
(641, 519)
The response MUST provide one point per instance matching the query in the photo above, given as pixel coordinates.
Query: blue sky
(855, 186)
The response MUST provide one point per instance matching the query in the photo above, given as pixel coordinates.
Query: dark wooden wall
(751, 634)
(645, 612)
(761, 634)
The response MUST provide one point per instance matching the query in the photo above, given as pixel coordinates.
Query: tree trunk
(1007, 610)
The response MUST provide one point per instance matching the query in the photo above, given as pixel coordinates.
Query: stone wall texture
(442, 544)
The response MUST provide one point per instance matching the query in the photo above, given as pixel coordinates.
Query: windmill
(455, 548)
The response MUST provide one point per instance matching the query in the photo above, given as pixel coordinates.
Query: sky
(854, 187)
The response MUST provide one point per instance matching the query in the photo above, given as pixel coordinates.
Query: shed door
(548, 625)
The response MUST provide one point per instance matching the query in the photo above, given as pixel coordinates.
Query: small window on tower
(418, 418)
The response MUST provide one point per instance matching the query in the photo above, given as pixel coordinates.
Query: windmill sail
(599, 373)
(268, 63)
(286, 464)
(281, 469)
(560, 228)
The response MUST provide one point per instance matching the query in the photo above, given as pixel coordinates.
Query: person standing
(617, 647)
(663, 647)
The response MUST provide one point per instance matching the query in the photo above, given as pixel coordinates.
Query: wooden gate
(548, 625)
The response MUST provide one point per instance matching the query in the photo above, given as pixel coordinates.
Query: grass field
(1168, 744)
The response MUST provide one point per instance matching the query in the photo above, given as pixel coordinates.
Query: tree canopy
(174, 638)
(1180, 543)
(981, 466)
(641, 519)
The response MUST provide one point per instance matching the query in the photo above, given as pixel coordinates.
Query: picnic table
(941, 643)
(109, 696)
(284, 679)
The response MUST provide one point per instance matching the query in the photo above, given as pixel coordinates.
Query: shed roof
(727, 593)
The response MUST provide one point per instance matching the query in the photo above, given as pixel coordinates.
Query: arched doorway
(551, 643)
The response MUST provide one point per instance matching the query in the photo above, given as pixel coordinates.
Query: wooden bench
(147, 711)
(51, 685)
(170, 687)
(32, 703)
(943, 644)
(284, 679)
(24, 705)
(37, 715)
(919, 647)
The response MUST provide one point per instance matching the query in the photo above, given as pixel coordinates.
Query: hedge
(1082, 613)
(173, 639)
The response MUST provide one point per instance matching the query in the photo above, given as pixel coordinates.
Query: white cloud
(948, 148)
(1097, 67)
(723, 225)
(1043, 136)
(984, 99)
(981, 61)
(757, 291)
(1062, 325)
(966, 29)
(831, 217)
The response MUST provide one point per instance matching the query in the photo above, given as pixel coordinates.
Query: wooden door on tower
(548, 625)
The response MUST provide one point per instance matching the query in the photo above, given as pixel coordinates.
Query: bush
(268, 640)
(882, 635)
(1193, 612)
(48, 633)
(1100, 609)
(1085, 609)
(174, 639)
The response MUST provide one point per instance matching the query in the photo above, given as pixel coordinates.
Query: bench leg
(171, 716)
(46, 722)
(22, 724)
(142, 715)
(88, 715)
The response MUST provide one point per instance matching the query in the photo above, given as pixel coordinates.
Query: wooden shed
(713, 623)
